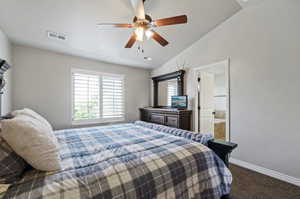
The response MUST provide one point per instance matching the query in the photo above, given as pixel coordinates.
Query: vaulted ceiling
(27, 22)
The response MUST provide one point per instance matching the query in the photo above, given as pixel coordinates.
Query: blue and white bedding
(129, 161)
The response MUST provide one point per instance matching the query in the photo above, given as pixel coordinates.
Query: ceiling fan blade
(114, 25)
(138, 6)
(159, 39)
(131, 41)
(171, 21)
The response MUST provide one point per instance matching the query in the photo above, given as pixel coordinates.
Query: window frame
(100, 120)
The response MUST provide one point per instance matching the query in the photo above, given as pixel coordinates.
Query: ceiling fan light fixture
(143, 25)
(149, 34)
(139, 31)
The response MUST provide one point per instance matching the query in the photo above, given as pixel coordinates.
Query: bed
(135, 160)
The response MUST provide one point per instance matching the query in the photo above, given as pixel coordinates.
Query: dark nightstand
(222, 148)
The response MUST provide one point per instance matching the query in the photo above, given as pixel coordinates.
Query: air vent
(56, 36)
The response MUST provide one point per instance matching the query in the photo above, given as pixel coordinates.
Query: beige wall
(263, 44)
(42, 81)
(5, 53)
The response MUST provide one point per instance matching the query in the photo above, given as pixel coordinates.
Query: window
(172, 91)
(97, 97)
(86, 96)
(112, 88)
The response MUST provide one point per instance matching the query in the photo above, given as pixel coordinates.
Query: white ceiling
(26, 22)
(247, 3)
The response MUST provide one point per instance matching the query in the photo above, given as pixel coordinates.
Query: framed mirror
(166, 86)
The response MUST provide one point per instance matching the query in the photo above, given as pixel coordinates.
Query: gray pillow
(12, 166)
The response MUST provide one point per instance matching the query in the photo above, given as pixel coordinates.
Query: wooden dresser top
(165, 109)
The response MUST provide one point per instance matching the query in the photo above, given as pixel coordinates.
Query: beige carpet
(251, 185)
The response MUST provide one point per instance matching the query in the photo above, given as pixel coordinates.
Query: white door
(206, 102)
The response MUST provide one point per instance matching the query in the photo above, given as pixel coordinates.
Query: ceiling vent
(56, 36)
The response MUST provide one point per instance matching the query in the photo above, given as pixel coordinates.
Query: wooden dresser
(169, 117)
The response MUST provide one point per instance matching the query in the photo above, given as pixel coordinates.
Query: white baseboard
(265, 171)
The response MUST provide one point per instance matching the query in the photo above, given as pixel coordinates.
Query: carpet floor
(248, 184)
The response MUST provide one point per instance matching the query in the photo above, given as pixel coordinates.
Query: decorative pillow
(33, 141)
(33, 114)
(12, 166)
(197, 137)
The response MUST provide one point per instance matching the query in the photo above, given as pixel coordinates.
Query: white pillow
(33, 141)
(31, 113)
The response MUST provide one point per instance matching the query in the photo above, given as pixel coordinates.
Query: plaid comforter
(127, 161)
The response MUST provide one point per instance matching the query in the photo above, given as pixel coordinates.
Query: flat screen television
(180, 102)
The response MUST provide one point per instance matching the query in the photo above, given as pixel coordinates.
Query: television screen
(179, 102)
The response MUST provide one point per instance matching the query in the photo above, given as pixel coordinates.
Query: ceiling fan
(143, 25)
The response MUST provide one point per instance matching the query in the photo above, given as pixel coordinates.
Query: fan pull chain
(141, 49)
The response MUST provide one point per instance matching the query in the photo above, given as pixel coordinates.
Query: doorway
(212, 104)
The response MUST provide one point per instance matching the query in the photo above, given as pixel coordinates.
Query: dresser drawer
(172, 121)
(180, 119)
(159, 119)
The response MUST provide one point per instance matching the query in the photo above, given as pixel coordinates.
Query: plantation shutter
(86, 96)
(113, 96)
(172, 91)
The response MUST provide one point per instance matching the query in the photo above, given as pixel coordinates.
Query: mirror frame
(179, 75)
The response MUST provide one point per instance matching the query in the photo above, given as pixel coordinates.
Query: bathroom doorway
(212, 104)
